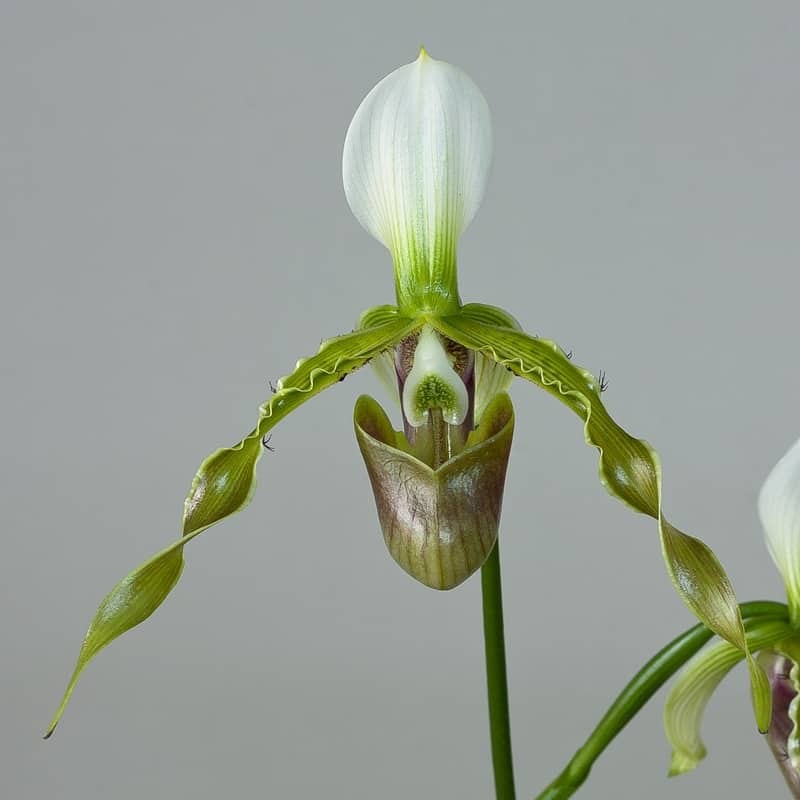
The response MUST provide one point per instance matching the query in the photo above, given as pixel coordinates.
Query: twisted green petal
(688, 698)
(225, 481)
(628, 468)
(224, 485)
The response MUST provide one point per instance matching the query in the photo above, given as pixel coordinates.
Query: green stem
(641, 688)
(496, 682)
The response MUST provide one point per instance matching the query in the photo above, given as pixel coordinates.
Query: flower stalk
(496, 678)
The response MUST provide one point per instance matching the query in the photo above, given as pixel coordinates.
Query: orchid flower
(415, 165)
(777, 639)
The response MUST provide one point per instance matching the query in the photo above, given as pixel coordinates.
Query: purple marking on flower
(779, 672)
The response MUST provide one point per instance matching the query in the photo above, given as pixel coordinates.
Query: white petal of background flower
(779, 509)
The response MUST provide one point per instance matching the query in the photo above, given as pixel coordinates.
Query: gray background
(174, 234)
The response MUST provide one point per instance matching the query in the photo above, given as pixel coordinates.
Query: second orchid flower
(778, 641)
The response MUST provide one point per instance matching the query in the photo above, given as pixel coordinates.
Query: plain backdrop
(174, 235)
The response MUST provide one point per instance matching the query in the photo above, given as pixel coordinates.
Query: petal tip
(682, 763)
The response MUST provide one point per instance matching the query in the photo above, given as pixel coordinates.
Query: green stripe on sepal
(223, 485)
(379, 315)
(415, 164)
(688, 698)
(490, 315)
(628, 467)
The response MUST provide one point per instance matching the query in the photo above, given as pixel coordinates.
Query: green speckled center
(433, 392)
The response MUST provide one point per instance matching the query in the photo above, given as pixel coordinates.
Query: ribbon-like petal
(629, 469)
(225, 482)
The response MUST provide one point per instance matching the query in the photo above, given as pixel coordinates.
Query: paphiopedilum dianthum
(777, 639)
(416, 159)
